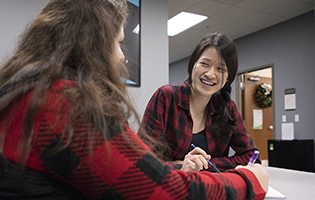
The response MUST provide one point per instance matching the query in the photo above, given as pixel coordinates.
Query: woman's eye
(203, 64)
(221, 69)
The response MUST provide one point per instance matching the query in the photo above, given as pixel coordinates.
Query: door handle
(270, 127)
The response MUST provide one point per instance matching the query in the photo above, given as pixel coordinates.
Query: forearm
(233, 184)
(230, 162)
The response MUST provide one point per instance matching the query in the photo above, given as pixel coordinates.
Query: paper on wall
(287, 131)
(258, 119)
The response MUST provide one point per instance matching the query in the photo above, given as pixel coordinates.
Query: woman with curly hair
(64, 111)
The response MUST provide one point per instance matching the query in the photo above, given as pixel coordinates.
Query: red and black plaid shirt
(167, 117)
(115, 170)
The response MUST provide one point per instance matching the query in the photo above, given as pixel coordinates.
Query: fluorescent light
(183, 21)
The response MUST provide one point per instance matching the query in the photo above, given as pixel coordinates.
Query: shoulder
(217, 98)
(233, 110)
(167, 91)
(62, 84)
(232, 106)
(182, 89)
(217, 105)
(56, 98)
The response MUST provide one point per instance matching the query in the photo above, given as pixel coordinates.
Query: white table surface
(295, 185)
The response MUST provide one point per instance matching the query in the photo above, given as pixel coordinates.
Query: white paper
(289, 102)
(284, 118)
(287, 131)
(296, 118)
(258, 119)
(274, 194)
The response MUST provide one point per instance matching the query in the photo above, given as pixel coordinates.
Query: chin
(204, 93)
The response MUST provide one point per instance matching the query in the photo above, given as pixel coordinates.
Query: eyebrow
(205, 59)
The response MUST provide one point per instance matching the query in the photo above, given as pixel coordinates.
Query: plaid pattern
(167, 118)
(115, 171)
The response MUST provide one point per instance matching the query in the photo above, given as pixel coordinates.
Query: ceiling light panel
(183, 21)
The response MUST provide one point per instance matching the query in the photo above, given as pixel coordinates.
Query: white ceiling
(235, 18)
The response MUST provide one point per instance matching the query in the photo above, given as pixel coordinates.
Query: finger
(188, 165)
(199, 151)
(239, 166)
(205, 162)
(191, 164)
(200, 162)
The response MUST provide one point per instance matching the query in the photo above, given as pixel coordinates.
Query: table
(295, 185)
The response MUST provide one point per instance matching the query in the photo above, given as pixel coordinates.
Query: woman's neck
(197, 106)
(198, 102)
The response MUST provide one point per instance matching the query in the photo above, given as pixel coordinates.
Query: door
(249, 104)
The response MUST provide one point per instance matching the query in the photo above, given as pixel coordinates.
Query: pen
(210, 163)
(253, 158)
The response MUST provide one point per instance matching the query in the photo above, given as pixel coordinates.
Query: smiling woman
(200, 110)
(64, 114)
(208, 76)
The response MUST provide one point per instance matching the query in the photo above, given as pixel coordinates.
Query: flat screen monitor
(131, 47)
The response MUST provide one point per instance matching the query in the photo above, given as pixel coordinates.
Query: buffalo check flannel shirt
(112, 169)
(167, 117)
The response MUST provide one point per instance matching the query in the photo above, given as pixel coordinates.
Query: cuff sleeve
(254, 189)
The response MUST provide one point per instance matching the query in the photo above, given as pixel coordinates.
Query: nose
(210, 74)
(121, 56)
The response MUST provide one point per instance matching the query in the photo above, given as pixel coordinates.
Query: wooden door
(260, 136)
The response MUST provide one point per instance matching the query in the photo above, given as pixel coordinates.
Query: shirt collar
(184, 95)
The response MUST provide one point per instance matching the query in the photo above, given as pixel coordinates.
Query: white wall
(16, 14)
(154, 52)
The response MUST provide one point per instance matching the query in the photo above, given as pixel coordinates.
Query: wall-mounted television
(131, 46)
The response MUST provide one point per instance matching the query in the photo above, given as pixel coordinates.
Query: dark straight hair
(222, 124)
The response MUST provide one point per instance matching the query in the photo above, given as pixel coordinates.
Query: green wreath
(263, 95)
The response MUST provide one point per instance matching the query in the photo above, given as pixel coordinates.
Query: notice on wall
(287, 131)
(289, 99)
(258, 119)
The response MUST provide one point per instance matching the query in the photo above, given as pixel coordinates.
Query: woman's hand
(195, 160)
(260, 173)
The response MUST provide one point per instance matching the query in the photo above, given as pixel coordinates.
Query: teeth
(207, 83)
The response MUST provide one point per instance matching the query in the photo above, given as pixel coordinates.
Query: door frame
(239, 90)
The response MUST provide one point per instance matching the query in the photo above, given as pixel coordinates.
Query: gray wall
(154, 53)
(178, 71)
(16, 14)
(290, 46)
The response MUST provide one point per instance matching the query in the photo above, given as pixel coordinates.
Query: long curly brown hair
(74, 40)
